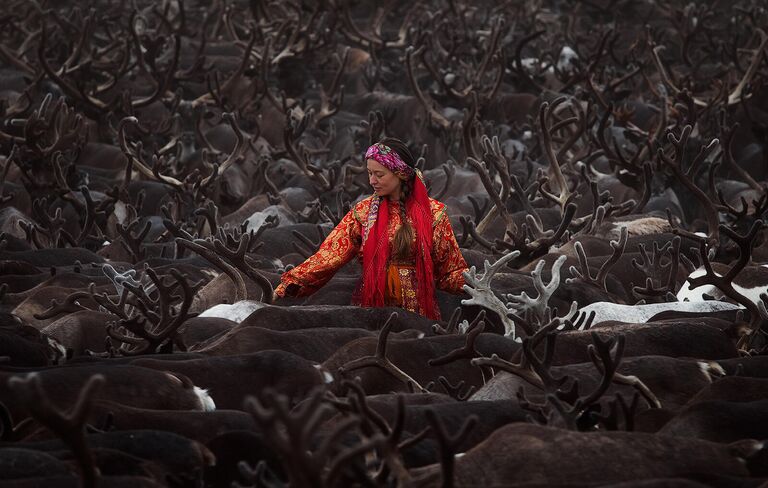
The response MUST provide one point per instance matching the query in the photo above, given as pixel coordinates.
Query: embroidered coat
(345, 242)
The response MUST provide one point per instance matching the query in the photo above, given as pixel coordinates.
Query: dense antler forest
(604, 166)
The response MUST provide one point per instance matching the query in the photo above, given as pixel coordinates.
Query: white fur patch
(327, 377)
(236, 312)
(61, 357)
(206, 402)
(697, 294)
(529, 63)
(711, 370)
(638, 314)
(566, 59)
(747, 448)
(637, 227)
(686, 294)
(121, 212)
(257, 219)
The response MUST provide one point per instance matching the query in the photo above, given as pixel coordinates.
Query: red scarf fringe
(377, 247)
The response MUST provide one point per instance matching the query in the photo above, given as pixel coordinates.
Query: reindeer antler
(290, 432)
(159, 322)
(468, 351)
(479, 288)
(539, 307)
(380, 360)
(70, 426)
(448, 443)
(725, 282)
(685, 177)
(585, 274)
(135, 158)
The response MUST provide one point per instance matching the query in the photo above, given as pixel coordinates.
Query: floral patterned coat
(345, 242)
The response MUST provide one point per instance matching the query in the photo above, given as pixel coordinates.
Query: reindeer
(162, 163)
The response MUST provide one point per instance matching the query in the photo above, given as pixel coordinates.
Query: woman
(403, 238)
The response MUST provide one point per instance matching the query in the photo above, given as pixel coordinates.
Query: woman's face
(384, 182)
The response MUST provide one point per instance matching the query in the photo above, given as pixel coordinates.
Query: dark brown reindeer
(95, 453)
(564, 405)
(552, 132)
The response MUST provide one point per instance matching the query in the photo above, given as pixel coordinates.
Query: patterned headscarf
(376, 250)
(388, 158)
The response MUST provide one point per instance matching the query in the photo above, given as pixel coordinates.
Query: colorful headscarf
(388, 158)
(375, 240)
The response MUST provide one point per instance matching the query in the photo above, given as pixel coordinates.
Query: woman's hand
(292, 290)
(289, 291)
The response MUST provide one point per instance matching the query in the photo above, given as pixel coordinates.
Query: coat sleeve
(448, 261)
(341, 245)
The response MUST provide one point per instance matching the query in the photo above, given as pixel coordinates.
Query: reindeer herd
(604, 165)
